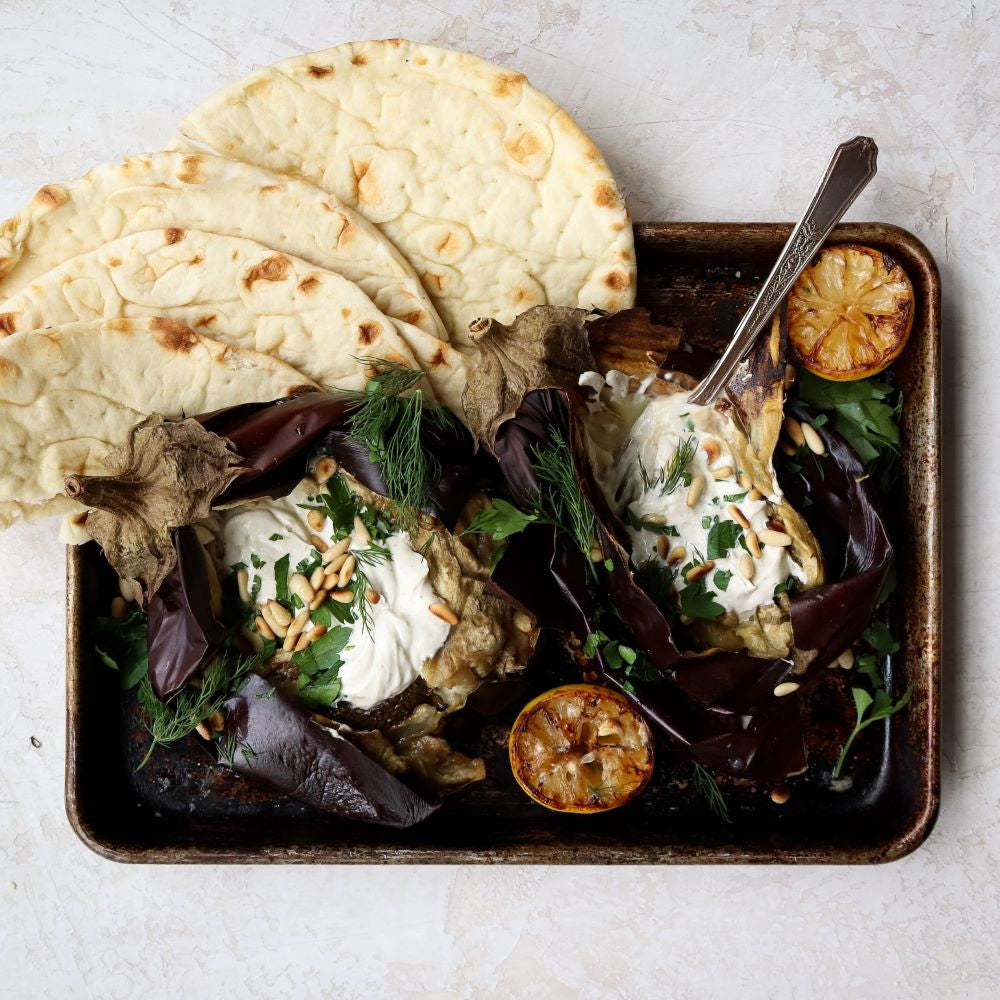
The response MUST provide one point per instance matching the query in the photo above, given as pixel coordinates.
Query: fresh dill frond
(373, 555)
(705, 785)
(172, 721)
(561, 494)
(649, 482)
(389, 424)
(673, 474)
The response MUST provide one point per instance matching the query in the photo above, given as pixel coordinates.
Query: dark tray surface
(182, 808)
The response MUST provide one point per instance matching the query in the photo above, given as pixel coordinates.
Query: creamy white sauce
(663, 423)
(381, 663)
(248, 530)
(378, 664)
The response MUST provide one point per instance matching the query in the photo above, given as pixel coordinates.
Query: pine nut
(678, 555)
(722, 473)
(325, 468)
(315, 520)
(787, 448)
(125, 589)
(794, 430)
(654, 519)
(346, 572)
(203, 731)
(738, 516)
(791, 373)
(301, 642)
(336, 551)
(299, 622)
(771, 537)
(697, 572)
(747, 568)
(279, 613)
(316, 580)
(119, 609)
(243, 584)
(289, 644)
(276, 627)
(263, 628)
(216, 721)
(316, 632)
(755, 494)
(846, 659)
(302, 588)
(318, 544)
(663, 546)
(372, 596)
(813, 440)
(712, 449)
(362, 535)
(695, 490)
(343, 596)
(334, 566)
(441, 610)
(745, 481)
(779, 796)
(789, 687)
(753, 544)
(319, 600)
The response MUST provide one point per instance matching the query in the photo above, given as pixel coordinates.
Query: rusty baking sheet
(183, 808)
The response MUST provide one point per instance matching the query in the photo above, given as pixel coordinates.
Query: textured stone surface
(707, 110)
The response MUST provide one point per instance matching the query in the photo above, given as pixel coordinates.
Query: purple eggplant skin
(721, 705)
(182, 633)
(277, 741)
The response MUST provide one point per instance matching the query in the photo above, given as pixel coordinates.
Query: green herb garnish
(319, 667)
(866, 412)
(706, 786)
(168, 723)
(281, 581)
(500, 520)
(697, 601)
(722, 578)
(881, 706)
(389, 424)
(723, 536)
(120, 643)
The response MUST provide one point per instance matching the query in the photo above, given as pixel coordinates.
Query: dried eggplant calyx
(166, 474)
(545, 347)
(271, 738)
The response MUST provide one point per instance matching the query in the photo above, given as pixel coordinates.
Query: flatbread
(491, 191)
(195, 191)
(69, 394)
(241, 293)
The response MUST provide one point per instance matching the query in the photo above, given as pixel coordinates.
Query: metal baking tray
(183, 808)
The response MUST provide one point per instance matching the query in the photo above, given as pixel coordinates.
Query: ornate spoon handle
(852, 167)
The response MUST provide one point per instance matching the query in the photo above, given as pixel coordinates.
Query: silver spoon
(849, 171)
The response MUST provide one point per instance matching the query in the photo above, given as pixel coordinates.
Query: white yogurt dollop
(386, 660)
(268, 530)
(666, 423)
(378, 663)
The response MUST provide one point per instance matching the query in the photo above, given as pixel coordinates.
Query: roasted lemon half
(850, 313)
(581, 748)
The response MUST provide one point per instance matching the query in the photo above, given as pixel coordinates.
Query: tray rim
(930, 550)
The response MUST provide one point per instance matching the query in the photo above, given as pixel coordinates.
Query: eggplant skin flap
(720, 705)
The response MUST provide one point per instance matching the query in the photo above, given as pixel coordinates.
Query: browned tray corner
(182, 808)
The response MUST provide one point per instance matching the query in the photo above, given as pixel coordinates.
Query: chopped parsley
(722, 536)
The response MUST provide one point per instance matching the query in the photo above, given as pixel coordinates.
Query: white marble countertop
(707, 109)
